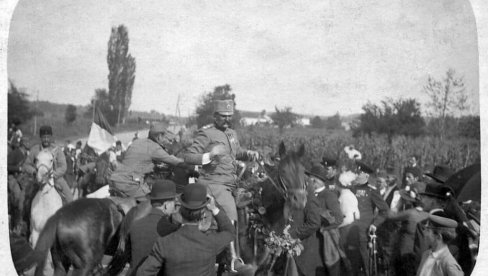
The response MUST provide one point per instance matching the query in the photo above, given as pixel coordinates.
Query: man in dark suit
(144, 232)
(331, 216)
(189, 251)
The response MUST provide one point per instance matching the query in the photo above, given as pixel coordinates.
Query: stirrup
(232, 264)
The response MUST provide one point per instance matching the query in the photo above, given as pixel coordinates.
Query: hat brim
(193, 205)
(314, 175)
(226, 113)
(433, 195)
(161, 197)
(436, 178)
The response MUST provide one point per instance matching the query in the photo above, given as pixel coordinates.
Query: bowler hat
(45, 130)
(162, 189)
(194, 197)
(329, 162)
(440, 173)
(437, 190)
(410, 193)
(318, 171)
(224, 107)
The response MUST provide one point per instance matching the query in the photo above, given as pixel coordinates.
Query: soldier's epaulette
(207, 126)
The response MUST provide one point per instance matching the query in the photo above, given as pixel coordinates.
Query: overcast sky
(319, 57)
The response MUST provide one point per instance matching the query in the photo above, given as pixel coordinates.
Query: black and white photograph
(295, 138)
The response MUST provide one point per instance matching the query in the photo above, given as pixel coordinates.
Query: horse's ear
(282, 149)
(301, 151)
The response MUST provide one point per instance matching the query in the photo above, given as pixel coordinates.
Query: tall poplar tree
(122, 68)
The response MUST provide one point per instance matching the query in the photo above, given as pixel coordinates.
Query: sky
(318, 57)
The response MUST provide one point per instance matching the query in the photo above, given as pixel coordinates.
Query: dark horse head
(285, 188)
(274, 196)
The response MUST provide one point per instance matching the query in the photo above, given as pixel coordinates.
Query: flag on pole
(101, 137)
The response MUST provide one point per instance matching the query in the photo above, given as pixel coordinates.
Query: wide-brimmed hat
(437, 190)
(224, 107)
(412, 192)
(45, 130)
(194, 197)
(162, 189)
(318, 171)
(440, 173)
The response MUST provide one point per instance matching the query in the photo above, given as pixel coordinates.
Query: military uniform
(368, 199)
(60, 166)
(220, 174)
(128, 178)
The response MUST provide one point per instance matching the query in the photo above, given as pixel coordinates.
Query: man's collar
(319, 189)
(441, 252)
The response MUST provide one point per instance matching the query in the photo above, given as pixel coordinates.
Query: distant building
(256, 121)
(346, 125)
(303, 121)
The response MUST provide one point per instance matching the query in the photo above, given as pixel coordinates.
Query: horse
(47, 199)
(91, 180)
(280, 190)
(80, 233)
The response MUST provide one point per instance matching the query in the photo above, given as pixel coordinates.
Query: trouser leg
(64, 188)
(363, 249)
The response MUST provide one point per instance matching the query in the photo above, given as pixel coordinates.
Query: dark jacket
(188, 251)
(329, 205)
(305, 225)
(143, 234)
(368, 200)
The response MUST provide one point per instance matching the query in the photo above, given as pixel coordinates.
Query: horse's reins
(283, 191)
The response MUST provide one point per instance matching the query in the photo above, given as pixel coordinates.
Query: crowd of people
(357, 220)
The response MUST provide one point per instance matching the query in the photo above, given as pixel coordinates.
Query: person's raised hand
(211, 204)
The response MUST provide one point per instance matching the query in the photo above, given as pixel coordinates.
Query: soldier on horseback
(217, 148)
(29, 166)
(128, 178)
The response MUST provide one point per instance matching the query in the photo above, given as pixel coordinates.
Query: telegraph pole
(36, 111)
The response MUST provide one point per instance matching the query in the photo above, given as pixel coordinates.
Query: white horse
(47, 200)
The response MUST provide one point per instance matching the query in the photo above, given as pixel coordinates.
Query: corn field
(376, 150)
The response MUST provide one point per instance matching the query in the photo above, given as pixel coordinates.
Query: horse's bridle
(50, 170)
(283, 190)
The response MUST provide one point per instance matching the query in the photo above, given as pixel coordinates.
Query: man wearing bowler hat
(46, 133)
(369, 199)
(216, 147)
(440, 174)
(144, 232)
(128, 178)
(189, 251)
